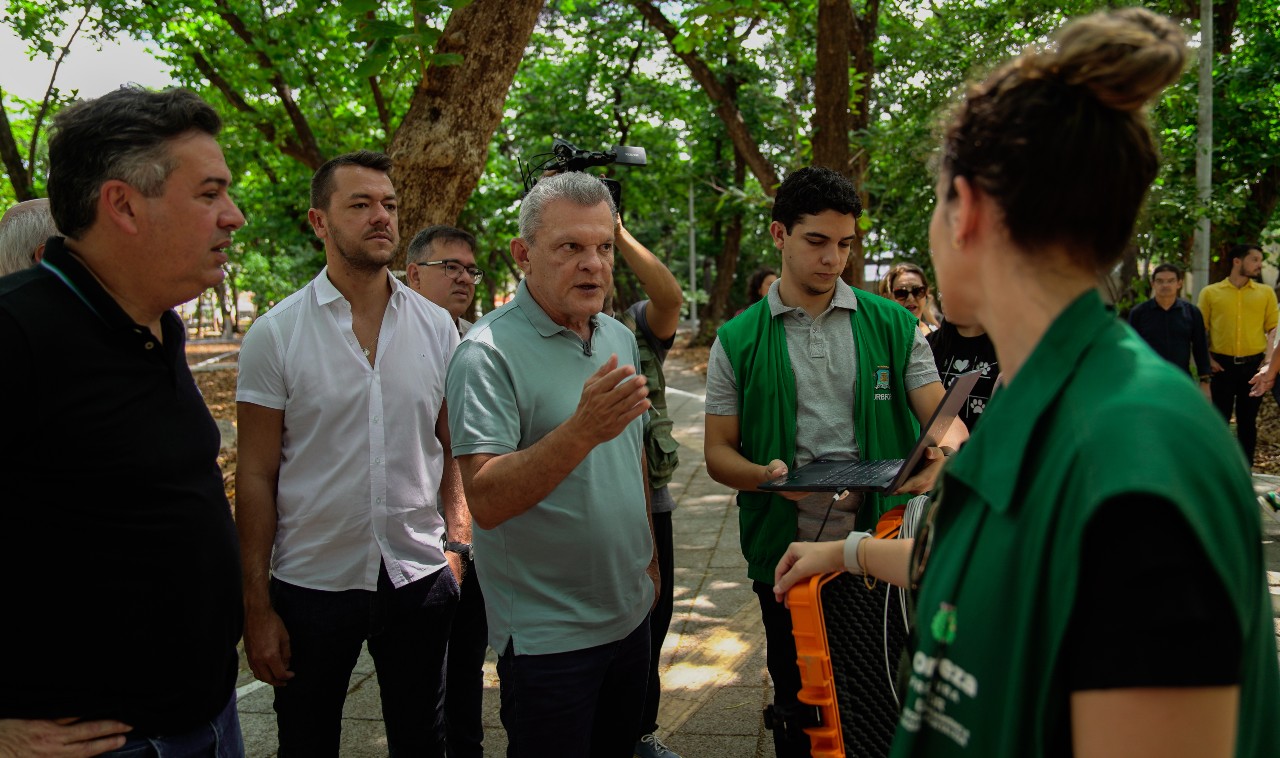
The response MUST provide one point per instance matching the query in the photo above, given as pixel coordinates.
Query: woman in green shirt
(1090, 580)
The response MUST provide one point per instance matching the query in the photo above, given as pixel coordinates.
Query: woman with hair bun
(1089, 580)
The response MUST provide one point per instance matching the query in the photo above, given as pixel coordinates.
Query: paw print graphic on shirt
(984, 367)
(977, 405)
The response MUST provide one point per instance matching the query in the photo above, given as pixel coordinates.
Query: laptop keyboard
(863, 471)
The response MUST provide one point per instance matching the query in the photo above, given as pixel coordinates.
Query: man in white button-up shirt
(343, 447)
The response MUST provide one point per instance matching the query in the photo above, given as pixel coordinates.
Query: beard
(359, 255)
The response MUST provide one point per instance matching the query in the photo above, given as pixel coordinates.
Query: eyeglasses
(916, 292)
(455, 270)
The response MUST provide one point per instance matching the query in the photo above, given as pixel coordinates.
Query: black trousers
(1230, 389)
(659, 620)
(464, 696)
(780, 658)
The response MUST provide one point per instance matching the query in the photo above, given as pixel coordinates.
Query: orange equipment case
(849, 641)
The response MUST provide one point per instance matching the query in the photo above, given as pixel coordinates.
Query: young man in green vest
(814, 369)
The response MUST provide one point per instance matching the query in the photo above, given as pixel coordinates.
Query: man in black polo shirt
(118, 558)
(1172, 326)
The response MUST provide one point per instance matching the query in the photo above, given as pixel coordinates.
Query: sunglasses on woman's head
(917, 292)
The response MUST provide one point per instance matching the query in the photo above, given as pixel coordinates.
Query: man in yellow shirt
(1240, 315)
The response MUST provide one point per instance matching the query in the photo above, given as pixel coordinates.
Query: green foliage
(596, 74)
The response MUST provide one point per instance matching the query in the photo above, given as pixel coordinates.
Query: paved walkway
(713, 671)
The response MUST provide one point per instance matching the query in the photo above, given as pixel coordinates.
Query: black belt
(1239, 359)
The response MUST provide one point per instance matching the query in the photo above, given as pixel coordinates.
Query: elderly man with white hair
(24, 228)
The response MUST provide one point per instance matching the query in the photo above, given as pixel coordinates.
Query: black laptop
(825, 475)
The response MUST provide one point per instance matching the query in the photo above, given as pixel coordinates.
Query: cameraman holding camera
(653, 322)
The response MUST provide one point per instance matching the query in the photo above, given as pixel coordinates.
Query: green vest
(1092, 415)
(885, 426)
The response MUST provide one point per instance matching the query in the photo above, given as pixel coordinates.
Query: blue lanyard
(70, 285)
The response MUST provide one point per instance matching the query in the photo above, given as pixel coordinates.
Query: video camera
(566, 157)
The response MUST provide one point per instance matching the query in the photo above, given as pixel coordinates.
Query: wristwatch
(461, 548)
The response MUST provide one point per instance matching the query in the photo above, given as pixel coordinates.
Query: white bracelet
(851, 551)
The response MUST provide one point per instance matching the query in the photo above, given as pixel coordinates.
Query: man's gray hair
(23, 228)
(579, 188)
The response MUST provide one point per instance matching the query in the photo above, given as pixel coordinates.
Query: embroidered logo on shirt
(943, 625)
(882, 383)
(881, 377)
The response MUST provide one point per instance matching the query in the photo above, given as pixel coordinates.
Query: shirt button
(377, 461)
(150, 345)
(377, 419)
(378, 501)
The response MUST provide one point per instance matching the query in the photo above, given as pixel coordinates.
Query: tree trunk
(226, 308)
(831, 88)
(441, 146)
(235, 306)
(831, 116)
(713, 315)
(863, 30)
(19, 177)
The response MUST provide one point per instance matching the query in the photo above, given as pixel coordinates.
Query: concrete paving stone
(728, 557)
(712, 499)
(364, 700)
(686, 540)
(258, 701)
(259, 730)
(363, 739)
(364, 664)
(693, 559)
(683, 525)
(731, 710)
(704, 608)
(707, 746)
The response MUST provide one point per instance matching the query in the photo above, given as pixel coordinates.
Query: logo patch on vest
(943, 624)
(882, 383)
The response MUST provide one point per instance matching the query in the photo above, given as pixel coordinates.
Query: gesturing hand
(612, 397)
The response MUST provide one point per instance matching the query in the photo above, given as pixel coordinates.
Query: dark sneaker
(650, 746)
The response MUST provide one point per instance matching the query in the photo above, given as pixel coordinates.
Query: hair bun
(1124, 57)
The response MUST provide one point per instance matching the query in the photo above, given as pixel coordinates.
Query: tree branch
(308, 148)
(725, 107)
(380, 102)
(624, 127)
(48, 92)
(288, 146)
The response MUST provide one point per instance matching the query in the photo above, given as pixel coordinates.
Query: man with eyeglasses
(1172, 326)
(441, 266)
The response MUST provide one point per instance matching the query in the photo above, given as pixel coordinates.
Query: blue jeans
(219, 738)
(407, 629)
(577, 704)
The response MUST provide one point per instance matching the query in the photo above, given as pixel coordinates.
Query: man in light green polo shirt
(554, 477)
